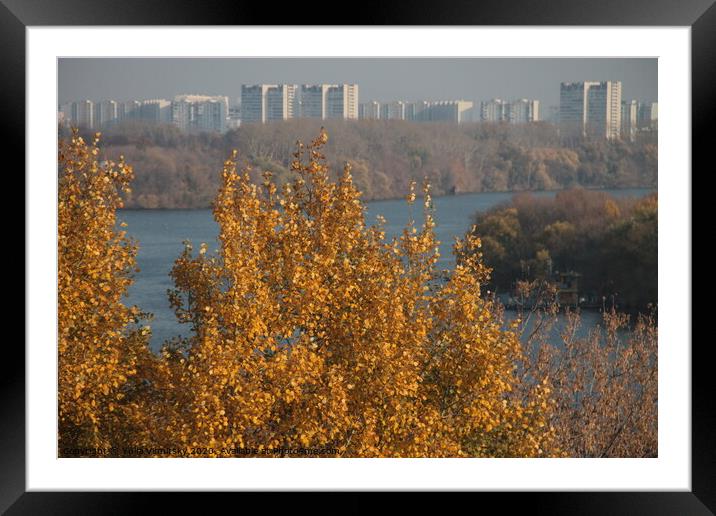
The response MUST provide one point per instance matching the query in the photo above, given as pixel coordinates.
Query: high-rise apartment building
(281, 102)
(266, 102)
(129, 110)
(105, 113)
(456, 111)
(522, 111)
(494, 110)
(648, 116)
(329, 101)
(369, 110)
(313, 100)
(417, 111)
(393, 110)
(82, 114)
(604, 108)
(200, 112)
(212, 115)
(590, 109)
(158, 111)
(573, 108)
(342, 101)
(630, 111)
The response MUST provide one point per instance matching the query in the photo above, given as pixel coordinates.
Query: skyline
(381, 79)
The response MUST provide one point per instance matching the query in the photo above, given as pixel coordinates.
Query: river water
(160, 234)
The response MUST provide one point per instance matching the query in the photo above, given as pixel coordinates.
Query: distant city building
(392, 110)
(313, 100)
(523, 111)
(211, 115)
(590, 109)
(630, 111)
(200, 112)
(234, 119)
(604, 104)
(648, 116)
(281, 102)
(342, 101)
(329, 101)
(455, 111)
(369, 110)
(417, 111)
(494, 110)
(105, 113)
(129, 110)
(64, 114)
(82, 114)
(267, 102)
(158, 111)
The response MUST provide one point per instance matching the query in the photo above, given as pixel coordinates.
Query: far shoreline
(460, 194)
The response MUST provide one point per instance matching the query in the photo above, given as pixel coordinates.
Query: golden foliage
(311, 330)
(100, 345)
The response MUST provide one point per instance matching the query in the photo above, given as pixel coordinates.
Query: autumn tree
(310, 329)
(101, 345)
(604, 383)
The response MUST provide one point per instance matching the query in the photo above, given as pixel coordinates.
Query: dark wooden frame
(700, 15)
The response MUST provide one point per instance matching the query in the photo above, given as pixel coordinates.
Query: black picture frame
(700, 15)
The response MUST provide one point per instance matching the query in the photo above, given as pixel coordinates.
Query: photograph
(358, 257)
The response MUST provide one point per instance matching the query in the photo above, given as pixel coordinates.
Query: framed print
(404, 253)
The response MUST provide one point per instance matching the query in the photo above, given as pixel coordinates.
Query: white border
(670, 471)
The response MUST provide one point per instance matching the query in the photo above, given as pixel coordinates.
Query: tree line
(175, 169)
(611, 242)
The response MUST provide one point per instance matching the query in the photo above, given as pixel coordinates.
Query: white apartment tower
(200, 112)
(266, 102)
(105, 113)
(82, 114)
(590, 109)
(329, 101)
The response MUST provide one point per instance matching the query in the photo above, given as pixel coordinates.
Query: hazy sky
(378, 78)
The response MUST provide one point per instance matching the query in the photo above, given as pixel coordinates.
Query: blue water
(160, 234)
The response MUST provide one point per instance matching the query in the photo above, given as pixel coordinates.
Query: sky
(381, 79)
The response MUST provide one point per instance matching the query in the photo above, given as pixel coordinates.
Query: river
(160, 234)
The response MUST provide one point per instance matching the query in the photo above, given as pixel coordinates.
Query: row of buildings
(520, 111)
(586, 109)
(596, 109)
(456, 111)
(269, 102)
(188, 112)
